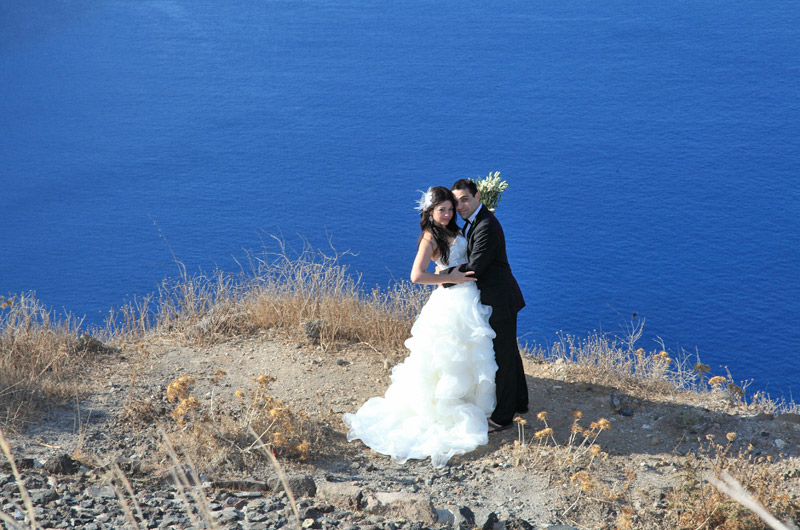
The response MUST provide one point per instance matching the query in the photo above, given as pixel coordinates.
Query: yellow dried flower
(521, 421)
(239, 394)
(595, 450)
(278, 438)
(701, 368)
(575, 428)
(584, 478)
(179, 388)
(264, 380)
(717, 380)
(544, 433)
(542, 415)
(731, 436)
(577, 414)
(639, 351)
(603, 424)
(303, 448)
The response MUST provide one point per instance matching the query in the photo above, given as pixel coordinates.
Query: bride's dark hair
(441, 236)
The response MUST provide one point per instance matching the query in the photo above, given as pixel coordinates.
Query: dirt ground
(645, 445)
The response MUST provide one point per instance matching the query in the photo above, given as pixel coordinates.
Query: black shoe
(496, 427)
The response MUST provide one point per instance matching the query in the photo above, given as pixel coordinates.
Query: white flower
(425, 201)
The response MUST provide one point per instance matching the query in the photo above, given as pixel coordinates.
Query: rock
(518, 524)
(463, 518)
(90, 344)
(129, 466)
(789, 417)
(341, 493)
(491, 521)
(229, 516)
(313, 329)
(42, 497)
(763, 416)
(410, 506)
(241, 485)
(780, 444)
(101, 492)
(62, 465)
(625, 412)
(444, 516)
(22, 463)
(300, 485)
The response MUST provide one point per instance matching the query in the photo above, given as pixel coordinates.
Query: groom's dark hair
(465, 184)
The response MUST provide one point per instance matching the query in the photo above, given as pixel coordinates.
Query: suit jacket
(486, 250)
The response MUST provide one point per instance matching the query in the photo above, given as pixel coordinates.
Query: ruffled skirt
(441, 395)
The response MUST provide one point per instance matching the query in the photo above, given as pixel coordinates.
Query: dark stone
(309, 512)
(241, 485)
(518, 524)
(62, 465)
(89, 344)
(301, 486)
(42, 497)
(491, 521)
(464, 518)
(22, 463)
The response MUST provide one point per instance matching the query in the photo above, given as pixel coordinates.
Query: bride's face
(442, 213)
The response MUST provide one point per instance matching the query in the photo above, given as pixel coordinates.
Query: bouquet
(491, 189)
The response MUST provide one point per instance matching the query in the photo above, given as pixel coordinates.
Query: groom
(486, 251)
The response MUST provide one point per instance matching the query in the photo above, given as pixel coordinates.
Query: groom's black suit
(486, 251)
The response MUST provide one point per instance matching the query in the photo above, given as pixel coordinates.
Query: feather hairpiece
(425, 201)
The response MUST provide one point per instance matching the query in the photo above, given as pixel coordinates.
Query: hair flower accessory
(425, 201)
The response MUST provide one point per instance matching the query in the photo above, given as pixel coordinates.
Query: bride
(442, 394)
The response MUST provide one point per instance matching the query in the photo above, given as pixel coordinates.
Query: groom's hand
(459, 275)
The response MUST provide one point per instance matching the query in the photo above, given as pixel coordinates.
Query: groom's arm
(486, 243)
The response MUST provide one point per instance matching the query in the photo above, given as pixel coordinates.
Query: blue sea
(652, 151)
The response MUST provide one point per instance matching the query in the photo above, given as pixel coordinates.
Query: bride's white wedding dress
(442, 394)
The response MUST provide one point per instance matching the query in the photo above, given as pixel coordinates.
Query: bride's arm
(419, 272)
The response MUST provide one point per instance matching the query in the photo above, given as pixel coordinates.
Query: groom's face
(466, 203)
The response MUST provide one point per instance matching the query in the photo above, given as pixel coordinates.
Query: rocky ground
(66, 457)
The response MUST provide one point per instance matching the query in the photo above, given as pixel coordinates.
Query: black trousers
(511, 387)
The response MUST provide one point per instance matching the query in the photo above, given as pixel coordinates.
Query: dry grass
(617, 362)
(310, 294)
(40, 354)
(699, 504)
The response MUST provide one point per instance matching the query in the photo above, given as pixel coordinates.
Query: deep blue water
(652, 150)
